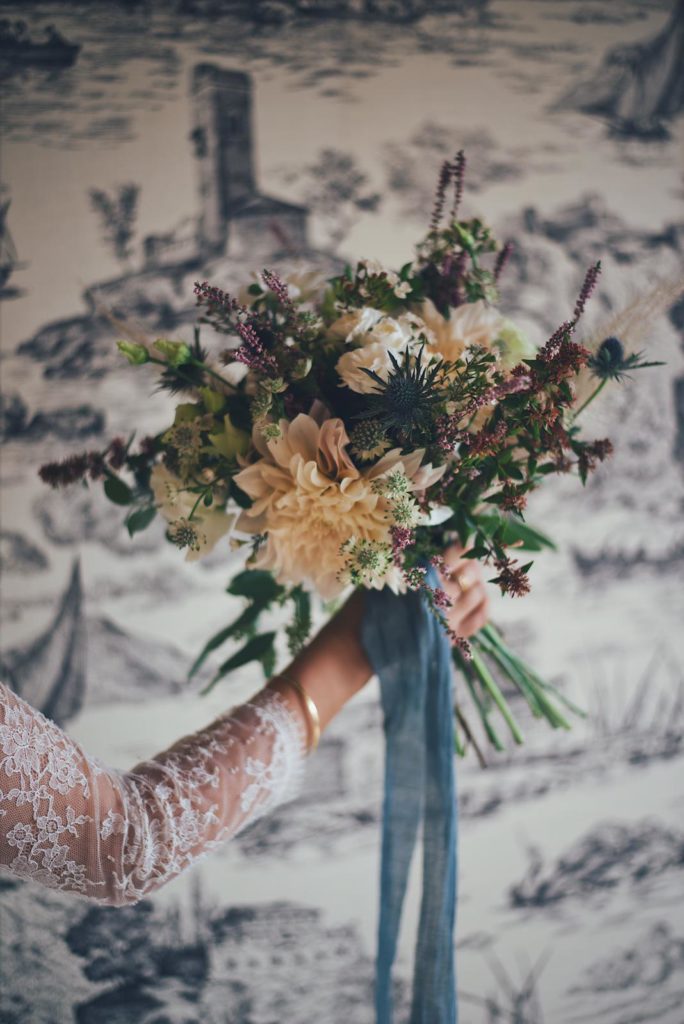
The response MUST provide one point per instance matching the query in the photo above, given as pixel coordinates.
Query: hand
(464, 583)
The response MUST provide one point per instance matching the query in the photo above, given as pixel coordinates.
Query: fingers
(465, 601)
(453, 556)
(464, 583)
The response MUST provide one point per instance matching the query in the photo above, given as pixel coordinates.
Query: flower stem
(212, 373)
(591, 397)
(200, 496)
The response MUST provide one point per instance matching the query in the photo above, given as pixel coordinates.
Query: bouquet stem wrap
(411, 655)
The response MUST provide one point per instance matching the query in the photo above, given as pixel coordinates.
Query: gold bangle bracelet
(310, 708)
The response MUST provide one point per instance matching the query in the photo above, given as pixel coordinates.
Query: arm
(71, 823)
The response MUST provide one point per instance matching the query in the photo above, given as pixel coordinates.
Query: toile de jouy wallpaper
(334, 117)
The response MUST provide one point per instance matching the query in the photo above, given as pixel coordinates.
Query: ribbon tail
(393, 638)
(409, 652)
(434, 987)
(402, 810)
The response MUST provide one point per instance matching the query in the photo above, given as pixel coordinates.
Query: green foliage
(299, 628)
(140, 519)
(259, 648)
(118, 491)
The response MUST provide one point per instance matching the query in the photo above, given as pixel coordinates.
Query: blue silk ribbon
(411, 655)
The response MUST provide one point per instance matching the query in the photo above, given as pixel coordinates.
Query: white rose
(351, 365)
(395, 334)
(473, 323)
(351, 325)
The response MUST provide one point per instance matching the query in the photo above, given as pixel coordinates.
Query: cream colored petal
(211, 527)
(332, 456)
(302, 436)
(428, 475)
(383, 465)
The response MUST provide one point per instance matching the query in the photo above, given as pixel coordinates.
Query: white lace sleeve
(71, 823)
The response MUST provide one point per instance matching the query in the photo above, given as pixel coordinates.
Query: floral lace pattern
(71, 823)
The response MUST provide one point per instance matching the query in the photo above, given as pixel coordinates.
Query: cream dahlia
(309, 500)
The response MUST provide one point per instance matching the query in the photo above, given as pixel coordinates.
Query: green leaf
(238, 626)
(259, 648)
(117, 491)
(230, 441)
(213, 400)
(479, 551)
(532, 539)
(140, 519)
(256, 584)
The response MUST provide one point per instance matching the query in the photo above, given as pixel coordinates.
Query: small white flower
(175, 503)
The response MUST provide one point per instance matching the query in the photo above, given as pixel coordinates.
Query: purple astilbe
(458, 171)
(440, 195)
(73, 468)
(96, 465)
(456, 270)
(559, 342)
(217, 298)
(488, 440)
(591, 454)
(448, 433)
(511, 579)
(460, 643)
(441, 599)
(561, 334)
(491, 395)
(521, 381)
(587, 289)
(440, 565)
(402, 537)
(252, 351)
(66, 471)
(562, 358)
(116, 454)
(512, 500)
(438, 601)
(502, 259)
(280, 290)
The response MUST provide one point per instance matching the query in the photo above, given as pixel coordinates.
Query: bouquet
(353, 427)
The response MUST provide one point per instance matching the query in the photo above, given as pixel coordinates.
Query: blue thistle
(407, 401)
(610, 361)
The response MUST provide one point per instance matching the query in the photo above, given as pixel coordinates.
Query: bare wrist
(334, 665)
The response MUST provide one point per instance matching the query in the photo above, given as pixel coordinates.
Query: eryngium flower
(611, 362)
(309, 499)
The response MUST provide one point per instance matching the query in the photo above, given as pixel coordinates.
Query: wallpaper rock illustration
(304, 134)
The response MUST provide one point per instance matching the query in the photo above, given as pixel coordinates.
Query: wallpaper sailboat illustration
(147, 144)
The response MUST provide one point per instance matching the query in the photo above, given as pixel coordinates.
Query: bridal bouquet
(352, 427)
